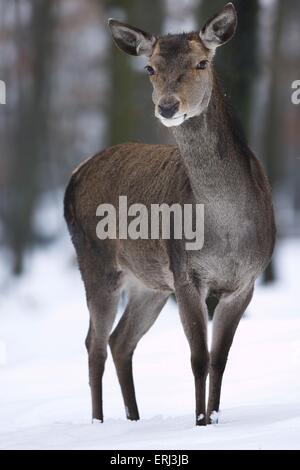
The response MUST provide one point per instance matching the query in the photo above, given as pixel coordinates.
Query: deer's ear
(220, 28)
(131, 40)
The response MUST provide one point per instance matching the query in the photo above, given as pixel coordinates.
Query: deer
(211, 164)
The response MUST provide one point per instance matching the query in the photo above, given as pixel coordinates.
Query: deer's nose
(167, 109)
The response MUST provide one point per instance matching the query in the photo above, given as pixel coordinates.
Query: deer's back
(145, 174)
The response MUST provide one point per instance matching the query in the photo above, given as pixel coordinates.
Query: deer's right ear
(131, 40)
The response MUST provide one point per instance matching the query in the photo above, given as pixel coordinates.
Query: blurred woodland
(71, 92)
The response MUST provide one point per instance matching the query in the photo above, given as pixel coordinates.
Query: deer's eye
(202, 65)
(150, 70)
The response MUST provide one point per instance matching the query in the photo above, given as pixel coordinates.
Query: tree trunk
(271, 139)
(30, 133)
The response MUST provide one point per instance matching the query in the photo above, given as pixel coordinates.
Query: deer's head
(179, 66)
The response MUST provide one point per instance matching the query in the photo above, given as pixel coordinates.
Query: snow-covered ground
(44, 393)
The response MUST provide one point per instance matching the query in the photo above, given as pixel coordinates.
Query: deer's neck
(213, 150)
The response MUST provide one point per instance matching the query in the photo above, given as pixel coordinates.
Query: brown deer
(211, 165)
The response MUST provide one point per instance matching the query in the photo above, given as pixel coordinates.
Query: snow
(44, 393)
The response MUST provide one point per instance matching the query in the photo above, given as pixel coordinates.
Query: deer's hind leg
(103, 283)
(142, 310)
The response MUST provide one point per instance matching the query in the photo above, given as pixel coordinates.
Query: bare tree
(271, 134)
(33, 45)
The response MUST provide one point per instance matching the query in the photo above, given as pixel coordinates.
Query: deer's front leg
(193, 314)
(226, 319)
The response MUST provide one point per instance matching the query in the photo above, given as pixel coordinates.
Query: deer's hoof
(132, 415)
(97, 421)
(214, 417)
(201, 420)
(130, 418)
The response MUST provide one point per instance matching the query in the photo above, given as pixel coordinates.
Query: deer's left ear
(220, 28)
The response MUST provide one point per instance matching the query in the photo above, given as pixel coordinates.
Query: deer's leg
(193, 314)
(227, 316)
(141, 312)
(102, 312)
(102, 284)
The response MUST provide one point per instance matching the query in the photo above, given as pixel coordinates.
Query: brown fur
(212, 165)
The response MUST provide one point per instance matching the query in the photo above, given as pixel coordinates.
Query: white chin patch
(173, 122)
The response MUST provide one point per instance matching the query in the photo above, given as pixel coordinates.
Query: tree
(34, 45)
(271, 138)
